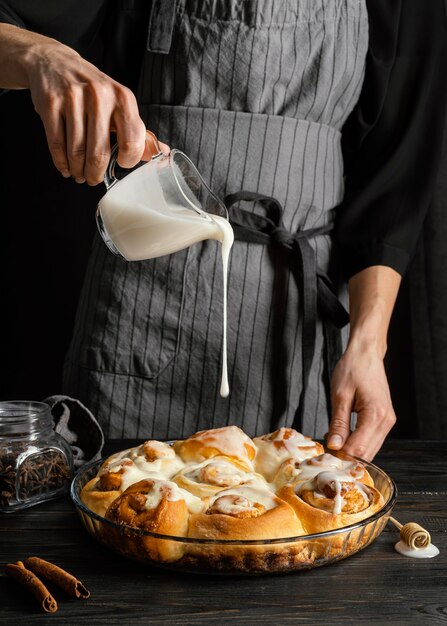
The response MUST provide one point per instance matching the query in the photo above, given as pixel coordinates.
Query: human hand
(359, 384)
(79, 106)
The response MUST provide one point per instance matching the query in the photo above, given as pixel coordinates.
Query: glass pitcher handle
(109, 177)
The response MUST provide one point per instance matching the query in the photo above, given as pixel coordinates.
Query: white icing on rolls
(153, 449)
(286, 443)
(133, 466)
(213, 473)
(234, 505)
(172, 492)
(229, 441)
(292, 439)
(310, 468)
(335, 482)
(129, 471)
(287, 473)
(216, 471)
(246, 497)
(166, 466)
(113, 458)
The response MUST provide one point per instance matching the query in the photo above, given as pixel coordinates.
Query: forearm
(372, 295)
(79, 105)
(359, 380)
(19, 51)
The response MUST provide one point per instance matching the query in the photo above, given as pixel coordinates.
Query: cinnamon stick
(23, 576)
(71, 585)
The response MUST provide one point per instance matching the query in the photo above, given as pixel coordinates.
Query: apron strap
(316, 289)
(161, 26)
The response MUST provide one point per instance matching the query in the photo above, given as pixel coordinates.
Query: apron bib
(256, 94)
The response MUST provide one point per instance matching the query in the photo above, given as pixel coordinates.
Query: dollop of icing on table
(416, 553)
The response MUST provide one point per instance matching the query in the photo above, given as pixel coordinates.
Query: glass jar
(36, 463)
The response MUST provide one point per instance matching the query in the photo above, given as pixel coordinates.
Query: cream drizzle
(173, 493)
(252, 495)
(226, 473)
(227, 241)
(232, 505)
(297, 440)
(333, 478)
(416, 553)
(229, 440)
(270, 456)
(130, 472)
(134, 467)
(312, 467)
(164, 450)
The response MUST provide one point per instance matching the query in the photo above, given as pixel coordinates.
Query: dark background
(44, 247)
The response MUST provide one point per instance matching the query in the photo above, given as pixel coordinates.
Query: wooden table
(376, 586)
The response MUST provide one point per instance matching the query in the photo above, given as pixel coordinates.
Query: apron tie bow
(315, 287)
(282, 236)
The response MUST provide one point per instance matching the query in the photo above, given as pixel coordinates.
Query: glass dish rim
(232, 542)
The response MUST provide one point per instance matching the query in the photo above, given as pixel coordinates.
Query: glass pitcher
(160, 207)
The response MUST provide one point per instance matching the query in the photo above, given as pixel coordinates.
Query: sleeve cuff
(366, 254)
(10, 17)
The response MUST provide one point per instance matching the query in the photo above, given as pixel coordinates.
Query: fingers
(130, 130)
(76, 134)
(359, 384)
(55, 131)
(339, 428)
(373, 425)
(78, 131)
(375, 419)
(153, 147)
(98, 147)
(80, 106)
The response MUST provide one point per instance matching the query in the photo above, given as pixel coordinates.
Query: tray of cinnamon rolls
(222, 502)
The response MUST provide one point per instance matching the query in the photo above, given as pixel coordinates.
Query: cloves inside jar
(35, 462)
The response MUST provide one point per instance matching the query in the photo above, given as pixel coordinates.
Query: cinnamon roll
(153, 457)
(275, 448)
(293, 470)
(331, 499)
(157, 506)
(229, 441)
(246, 512)
(119, 471)
(207, 478)
(97, 497)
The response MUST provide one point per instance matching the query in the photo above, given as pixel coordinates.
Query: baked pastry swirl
(221, 485)
(329, 493)
(283, 444)
(211, 476)
(120, 470)
(246, 512)
(228, 441)
(158, 506)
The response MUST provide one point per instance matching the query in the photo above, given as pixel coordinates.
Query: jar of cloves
(36, 463)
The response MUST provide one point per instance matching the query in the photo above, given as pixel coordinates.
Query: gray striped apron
(256, 93)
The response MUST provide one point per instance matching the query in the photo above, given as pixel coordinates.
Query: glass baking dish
(251, 557)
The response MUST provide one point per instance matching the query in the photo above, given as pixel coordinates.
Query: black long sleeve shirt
(391, 141)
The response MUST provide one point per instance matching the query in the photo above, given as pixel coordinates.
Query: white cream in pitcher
(144, 222)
